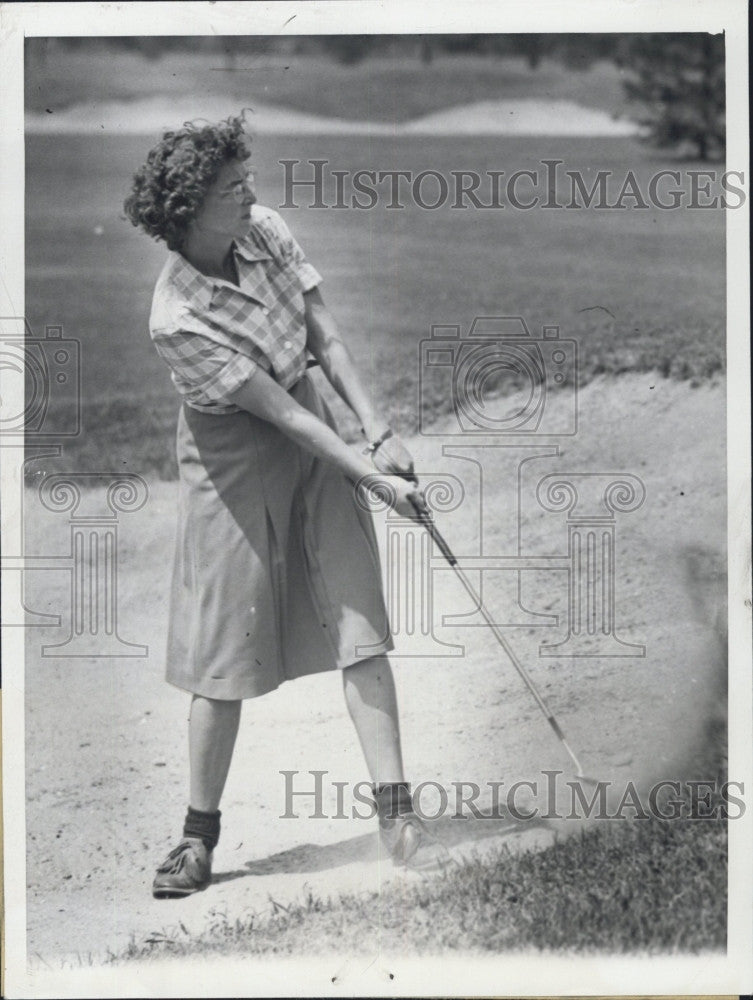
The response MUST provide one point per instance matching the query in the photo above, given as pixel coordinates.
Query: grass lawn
(636, 886)
(619, 886)
(389, 275)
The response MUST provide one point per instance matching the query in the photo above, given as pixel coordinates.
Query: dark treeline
(575, 50)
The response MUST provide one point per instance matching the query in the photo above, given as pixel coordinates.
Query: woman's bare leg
(212, 728)
(370, 696)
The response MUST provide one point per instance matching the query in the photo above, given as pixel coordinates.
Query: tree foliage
(677, 84)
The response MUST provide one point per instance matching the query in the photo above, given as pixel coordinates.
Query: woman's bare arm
(329, 349)
(265, 398)
(327, 346)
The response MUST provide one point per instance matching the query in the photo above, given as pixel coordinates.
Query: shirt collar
(189, 281)
(249, 246)
(246, 249)
(200, 288)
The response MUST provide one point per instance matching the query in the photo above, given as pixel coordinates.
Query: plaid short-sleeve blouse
(214, 334)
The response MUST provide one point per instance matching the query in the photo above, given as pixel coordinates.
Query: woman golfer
(276, 571)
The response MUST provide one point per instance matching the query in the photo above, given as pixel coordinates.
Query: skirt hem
(232, 690)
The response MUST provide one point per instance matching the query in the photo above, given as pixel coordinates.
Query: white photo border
(517, 975)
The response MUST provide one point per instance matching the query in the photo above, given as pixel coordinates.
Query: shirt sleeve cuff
(308, 276)
(229, 378)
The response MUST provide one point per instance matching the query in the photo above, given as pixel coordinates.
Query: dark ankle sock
(393, 799)
(203, 826)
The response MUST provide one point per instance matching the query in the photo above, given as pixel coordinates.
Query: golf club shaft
(446, 551)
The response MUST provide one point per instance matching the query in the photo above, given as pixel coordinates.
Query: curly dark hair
(168, 190)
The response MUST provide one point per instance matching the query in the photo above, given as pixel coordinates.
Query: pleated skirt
(276, 572)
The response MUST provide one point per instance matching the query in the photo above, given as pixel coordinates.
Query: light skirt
(276, 572)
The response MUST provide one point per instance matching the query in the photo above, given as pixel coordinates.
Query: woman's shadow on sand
(462, 836)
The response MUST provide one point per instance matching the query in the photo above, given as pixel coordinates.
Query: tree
(349, 49)
(677, 82)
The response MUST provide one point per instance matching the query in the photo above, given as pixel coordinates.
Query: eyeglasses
(241, 187)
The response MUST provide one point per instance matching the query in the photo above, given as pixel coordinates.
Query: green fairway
(389, 274)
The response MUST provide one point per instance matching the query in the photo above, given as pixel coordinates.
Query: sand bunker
(516, 117)
(106, 791)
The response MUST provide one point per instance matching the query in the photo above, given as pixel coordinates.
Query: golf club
(427, 521)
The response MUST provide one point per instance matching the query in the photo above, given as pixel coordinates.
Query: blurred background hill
(378, 78)
(673, 85)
